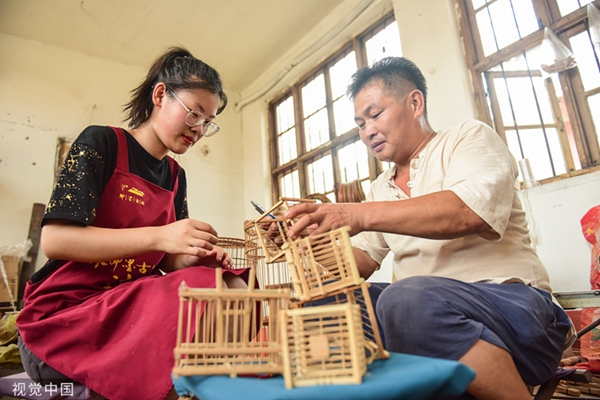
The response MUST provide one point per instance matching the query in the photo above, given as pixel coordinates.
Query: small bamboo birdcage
(323, 345)
(274, 275)
(274, 252)
(229, 332)
(322, 264)
(236, 249)
(360, 296)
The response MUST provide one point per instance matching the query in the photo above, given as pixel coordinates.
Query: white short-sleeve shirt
(471, 160)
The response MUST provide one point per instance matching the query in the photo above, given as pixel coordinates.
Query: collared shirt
(471, 160)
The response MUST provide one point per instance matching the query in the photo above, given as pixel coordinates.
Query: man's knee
(407, 298)
(408, 290)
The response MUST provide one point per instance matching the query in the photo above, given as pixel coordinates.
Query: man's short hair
(398, 74)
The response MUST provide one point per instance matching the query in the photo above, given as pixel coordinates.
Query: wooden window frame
(548, 15)
(335, 142)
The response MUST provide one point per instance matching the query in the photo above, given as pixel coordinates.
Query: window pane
(594, 102)
(313, 95)
(354, 162)
(340, 73)
(316, 123)
(534, 148)
(316, 130)
(385, 43)
(504, 22)
(517, 97)
(343, 113)
(289, 185)
(343, 110)
(285, 115)
(586, 60)
(286, 132)
(287, 146)
(568, 6)
(320, 175)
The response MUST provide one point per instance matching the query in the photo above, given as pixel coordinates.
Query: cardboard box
(12, 266)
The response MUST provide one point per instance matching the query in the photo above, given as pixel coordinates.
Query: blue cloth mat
(401, 376)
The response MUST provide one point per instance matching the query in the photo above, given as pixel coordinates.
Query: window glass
(316, 122)
(320, 176)
(287, 146)
(504, 22)
(316, 129)
(354, 162)
(313, 95)
(286, 132)
(285, 115)
(534, 147)
(568, 6)
(289, 185)
(594, 103)
(385, 43)
(589, 67)
(525, 99)
(343, 110)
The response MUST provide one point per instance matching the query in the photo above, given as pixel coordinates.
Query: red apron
(112, 325)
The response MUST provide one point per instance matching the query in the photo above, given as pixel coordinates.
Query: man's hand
(321, 218)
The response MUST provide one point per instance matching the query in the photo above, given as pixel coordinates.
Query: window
(314, 140)
(550, 118)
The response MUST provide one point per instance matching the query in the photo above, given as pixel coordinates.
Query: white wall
(554, 212)
(48, 92)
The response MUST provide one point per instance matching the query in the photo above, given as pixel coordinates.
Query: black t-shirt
(90, 164)
(87, 169)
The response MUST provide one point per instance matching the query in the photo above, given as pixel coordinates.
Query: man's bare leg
(496, 376)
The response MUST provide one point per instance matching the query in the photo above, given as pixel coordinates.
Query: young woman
(103, 309)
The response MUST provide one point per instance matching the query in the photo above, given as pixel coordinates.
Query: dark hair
(398, 74)
(178, 69)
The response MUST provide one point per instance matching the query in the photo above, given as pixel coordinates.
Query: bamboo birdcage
(226, 332)
(360, 296)
(266, 331)
(323, 345)
(273, 275)
(237, 250)
(322, 264)
(274, 252)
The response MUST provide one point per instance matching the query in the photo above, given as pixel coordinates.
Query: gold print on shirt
(123, 270)
(132, 195)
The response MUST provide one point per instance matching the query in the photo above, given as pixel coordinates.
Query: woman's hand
(187, 236)
(217, 257)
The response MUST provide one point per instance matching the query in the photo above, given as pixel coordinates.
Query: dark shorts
(441, 317)
(37, 370)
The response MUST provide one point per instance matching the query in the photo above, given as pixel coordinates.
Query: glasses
(196, 118)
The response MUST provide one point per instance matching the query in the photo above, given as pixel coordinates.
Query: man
(469, 286)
